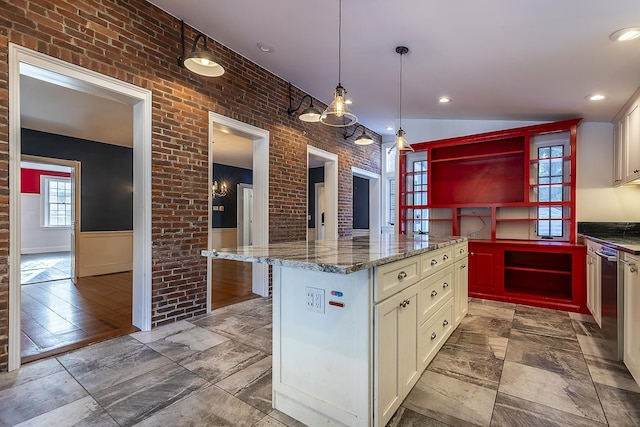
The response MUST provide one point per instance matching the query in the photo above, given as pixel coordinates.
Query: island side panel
(322, 361)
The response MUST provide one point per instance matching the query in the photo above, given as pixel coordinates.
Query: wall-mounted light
(363, 139)
(218, 191)
(310, 114)
(200, 61)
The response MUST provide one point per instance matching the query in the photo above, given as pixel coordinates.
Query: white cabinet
(593, 282)
(461, 286)
(396, 351)
(626, 167)
(632, 315)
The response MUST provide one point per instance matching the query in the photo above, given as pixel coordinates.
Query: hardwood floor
(230, 282)
(58, 316)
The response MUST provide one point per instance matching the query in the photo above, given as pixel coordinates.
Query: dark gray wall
(360, 203)
(232, 176)
(315, 175)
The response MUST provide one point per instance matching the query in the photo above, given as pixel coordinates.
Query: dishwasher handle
(608, 257)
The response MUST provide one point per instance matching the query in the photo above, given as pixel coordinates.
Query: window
(551, 173)
(57, 201)
(420, 216)
(391, 201)
(389, 159)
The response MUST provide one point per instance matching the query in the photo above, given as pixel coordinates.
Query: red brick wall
(138, 43)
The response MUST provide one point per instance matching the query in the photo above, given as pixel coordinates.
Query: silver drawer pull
(405, 303)
(463, 266)
(445, 285)
(433, 335)
(461, 250)
(434, 293)
(632, 266)
(445, 323)
(434, 262)
(402, 275)
(445, 257)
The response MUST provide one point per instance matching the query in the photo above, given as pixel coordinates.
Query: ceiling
(496, 59)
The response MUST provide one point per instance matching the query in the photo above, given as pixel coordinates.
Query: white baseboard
(44, 250)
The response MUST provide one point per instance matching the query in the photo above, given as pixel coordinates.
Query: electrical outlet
(314, 300)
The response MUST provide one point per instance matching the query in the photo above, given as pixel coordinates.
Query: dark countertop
(623, 236)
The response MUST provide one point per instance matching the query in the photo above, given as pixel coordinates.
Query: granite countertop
(345, 255)
(623, 236)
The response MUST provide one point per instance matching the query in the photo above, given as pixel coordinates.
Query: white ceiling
(497, 59)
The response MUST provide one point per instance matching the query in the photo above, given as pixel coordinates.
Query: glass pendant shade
(200, 61)
(401, 142)
(338, 113)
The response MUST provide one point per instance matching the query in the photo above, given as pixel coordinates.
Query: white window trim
(44, 204)
(388, 225)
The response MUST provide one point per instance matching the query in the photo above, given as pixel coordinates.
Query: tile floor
(506, 365)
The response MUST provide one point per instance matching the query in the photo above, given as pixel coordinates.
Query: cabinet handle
(405, 303)
(463, 266)
(433, 335)
(632, 266)
(434, 293)
(445, 285)
(589, 262)
(445, 323)
(434, 262)
(461, 250)
(445, 257)
(402, 275)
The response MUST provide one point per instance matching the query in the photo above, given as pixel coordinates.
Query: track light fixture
(338, 113)
(401, 142)
(200, 61)
(363, 139)
(310, 114)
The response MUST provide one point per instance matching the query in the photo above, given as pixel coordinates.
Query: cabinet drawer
(434, 290)
(460, 250)
(434, 332)
(396, 276)
(436, 260)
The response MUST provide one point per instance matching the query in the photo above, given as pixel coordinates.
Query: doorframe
(374, 199)
(76, 167)
(241, 213)
(260, 137)
(318, 188)
(330, 190)
(29, 62)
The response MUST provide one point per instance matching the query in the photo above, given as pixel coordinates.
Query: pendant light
(338, 113)
(401, 142)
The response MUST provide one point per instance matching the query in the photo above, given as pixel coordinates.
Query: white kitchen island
(356, 321)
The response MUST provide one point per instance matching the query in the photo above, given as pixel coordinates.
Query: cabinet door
(593, 285)
(632, 316)
(482, 271)
(632, 142)
(461, 290)
(396, 352)
(619, 136)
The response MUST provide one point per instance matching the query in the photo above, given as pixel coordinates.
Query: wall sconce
(363, 139)
(218, 191)
(200, 61)
(310, 114)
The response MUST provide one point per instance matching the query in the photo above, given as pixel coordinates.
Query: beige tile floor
(506, 365)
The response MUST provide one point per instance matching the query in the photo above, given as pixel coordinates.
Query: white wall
(596, 199)
(35, 239)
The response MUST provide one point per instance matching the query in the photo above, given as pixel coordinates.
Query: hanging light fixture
(363, 139)
(310, 114)
(200, 61)
(401, 142)
(338, 113)
(218, 191)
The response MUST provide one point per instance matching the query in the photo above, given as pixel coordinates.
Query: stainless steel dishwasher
(612, 303)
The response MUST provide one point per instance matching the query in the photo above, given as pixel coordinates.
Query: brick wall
(138, 43)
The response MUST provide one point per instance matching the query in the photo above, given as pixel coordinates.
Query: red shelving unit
(491, 188)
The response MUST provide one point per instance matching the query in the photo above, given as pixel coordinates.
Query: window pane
(557, 151)
(391, 160)
(544, 152)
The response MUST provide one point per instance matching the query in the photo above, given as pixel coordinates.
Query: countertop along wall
(596, 198)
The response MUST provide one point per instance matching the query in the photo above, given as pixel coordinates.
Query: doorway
(327, 162)
(239, 164)
(26, 62)
(373, 205)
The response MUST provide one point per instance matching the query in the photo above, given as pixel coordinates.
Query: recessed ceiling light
(595, 97)
(444, 100)
(389, 127)
(625, 34)
(266, 48)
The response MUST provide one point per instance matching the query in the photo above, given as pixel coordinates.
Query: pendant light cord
(339, 41)
(400, 127)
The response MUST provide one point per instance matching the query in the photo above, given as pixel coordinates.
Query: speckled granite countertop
(623, 236)
(343, 256)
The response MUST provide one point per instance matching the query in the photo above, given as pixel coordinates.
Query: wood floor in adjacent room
(58, 316)
(230, 282)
